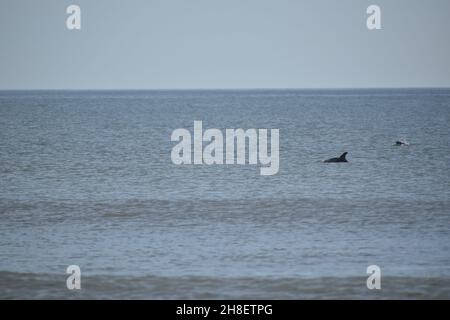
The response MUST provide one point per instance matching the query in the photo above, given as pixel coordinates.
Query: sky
(195, 44)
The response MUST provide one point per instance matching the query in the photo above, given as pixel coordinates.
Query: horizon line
(225, 89)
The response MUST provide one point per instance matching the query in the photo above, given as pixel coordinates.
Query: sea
(86, 179)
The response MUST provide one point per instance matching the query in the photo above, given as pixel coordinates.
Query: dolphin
(340, 159)
(400, 143)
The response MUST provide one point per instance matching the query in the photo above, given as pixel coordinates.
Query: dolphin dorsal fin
(342, 157)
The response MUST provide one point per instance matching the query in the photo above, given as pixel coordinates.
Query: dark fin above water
(342, 157)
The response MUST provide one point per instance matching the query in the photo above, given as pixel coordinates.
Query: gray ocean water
(86, 178)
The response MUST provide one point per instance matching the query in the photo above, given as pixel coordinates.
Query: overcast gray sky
(142, 44)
